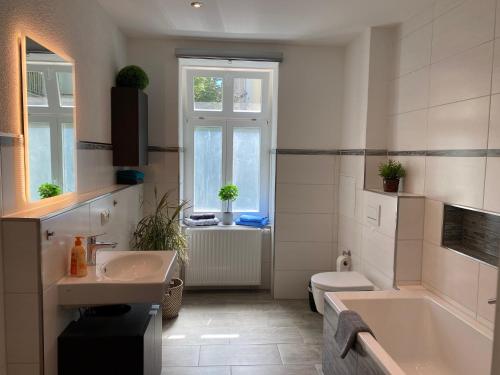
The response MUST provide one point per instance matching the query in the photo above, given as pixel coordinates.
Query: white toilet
(337, 282)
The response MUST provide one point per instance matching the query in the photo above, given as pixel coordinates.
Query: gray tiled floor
(242, 333)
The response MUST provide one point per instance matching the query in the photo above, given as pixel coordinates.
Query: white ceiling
(302, 21)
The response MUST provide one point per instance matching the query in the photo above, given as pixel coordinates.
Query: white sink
(132, 267)
(120, 277)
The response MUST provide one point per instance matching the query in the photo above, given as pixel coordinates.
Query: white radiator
(224, 257)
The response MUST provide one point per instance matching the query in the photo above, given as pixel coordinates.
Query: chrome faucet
(93, 245)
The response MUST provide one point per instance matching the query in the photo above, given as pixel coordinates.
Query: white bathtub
(418, 333)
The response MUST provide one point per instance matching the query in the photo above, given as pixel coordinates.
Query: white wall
(356, 72)
(446, 97)
(81, 31)
(309, 117)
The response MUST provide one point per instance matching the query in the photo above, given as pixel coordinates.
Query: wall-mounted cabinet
(129, 127)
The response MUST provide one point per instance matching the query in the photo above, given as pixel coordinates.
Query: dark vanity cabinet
(121, 340)
(129, 127)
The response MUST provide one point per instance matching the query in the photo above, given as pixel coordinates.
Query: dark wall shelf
(473, 233)
(129, 127)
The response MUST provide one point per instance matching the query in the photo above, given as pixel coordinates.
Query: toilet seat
(341, 281)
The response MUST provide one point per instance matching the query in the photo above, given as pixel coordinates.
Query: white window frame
(228, 120)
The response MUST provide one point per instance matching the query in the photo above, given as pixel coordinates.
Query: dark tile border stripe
(457, 153)
(164, 149)
(494, 153)
(297, 151)
(375, 152)
(407, 153)
(87, 145)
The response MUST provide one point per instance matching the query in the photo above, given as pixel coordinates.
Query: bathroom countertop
(64, 203)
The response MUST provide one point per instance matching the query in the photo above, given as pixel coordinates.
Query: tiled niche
(473, 233)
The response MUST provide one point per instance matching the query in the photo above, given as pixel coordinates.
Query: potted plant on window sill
(161, 230)
(391, 171)
(228, 194)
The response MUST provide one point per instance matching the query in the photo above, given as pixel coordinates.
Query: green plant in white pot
(161, 230)
(228, 194)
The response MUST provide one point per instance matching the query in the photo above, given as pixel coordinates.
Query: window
(226, 134)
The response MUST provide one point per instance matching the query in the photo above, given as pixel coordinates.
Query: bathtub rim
(371, 345)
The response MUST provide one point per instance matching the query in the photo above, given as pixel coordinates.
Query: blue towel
(252, 218)
(255, 223)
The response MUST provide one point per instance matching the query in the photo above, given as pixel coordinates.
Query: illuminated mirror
(49, 127)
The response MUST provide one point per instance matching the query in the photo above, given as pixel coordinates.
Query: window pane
(207, 93)
(39, 157)
(246, 168)
(37, 91)
(247, 95)
(65, 86)
(68, 162)
(207, 168)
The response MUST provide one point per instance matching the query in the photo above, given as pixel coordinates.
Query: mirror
(49, 129)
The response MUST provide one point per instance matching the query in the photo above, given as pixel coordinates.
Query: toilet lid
(337, 281)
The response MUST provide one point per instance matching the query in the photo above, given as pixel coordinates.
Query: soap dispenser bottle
(78, 260)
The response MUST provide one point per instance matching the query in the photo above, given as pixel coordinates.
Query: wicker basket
(172, 300)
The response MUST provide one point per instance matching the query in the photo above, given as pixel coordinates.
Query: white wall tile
(463, 76)
(347, 196)
(416, 50)
(55, 320)
(409, 260)
(372, 179)
(306, 169)
(388, 206)
(303, 255)
(488, 279)
(21, 253)
(22, 328)
(350, 236)
(496, 67)
(353, 166)
(378, 251)
(458, 180)
(411, 91)
(411, 212)
(491, 188)
(466, 26)
(299, 198)
(55, 251)
(23, 369)
(452, 274)
(462, 125)
(304, 227)
(408, 131)
(415, 22)
(293, 284)
(494, 134)
(433, 223)
(414, 181)
(443, 6)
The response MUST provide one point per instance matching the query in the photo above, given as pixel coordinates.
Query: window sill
(221, 226)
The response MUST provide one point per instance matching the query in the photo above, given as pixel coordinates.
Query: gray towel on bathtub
(349, 325)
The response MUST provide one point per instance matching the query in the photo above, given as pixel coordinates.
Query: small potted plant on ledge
(228, 194)
(49, 190)
(161, 230)
(391, 171)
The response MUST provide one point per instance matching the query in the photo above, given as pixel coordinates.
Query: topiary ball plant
(228, 193)
(48, 190)
(132, 76)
